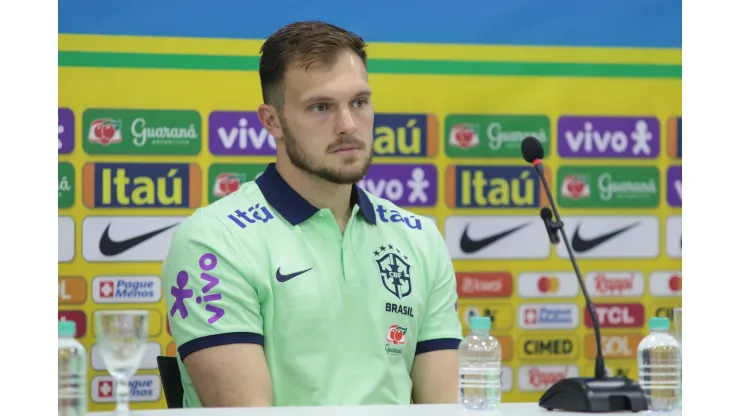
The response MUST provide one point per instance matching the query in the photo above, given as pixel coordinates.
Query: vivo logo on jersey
(548, 316)
(611, 237)
(615, 284)
(541, 377)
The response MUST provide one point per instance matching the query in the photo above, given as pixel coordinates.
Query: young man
(300, 288)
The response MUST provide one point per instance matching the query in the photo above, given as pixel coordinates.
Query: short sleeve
(440, 327)
(210, 300)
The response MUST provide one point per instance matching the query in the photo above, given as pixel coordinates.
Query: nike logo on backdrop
(282, 278)
(109, 247)
(581, 244)
(468, 245)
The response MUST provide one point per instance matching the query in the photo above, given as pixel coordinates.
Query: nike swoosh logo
(109, 247)
(282, 278)
(468, 245)
(581, 245)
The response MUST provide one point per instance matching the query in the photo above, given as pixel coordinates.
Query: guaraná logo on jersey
(494, 136)
(141, 185)
(404, 185)
(405, 135)
(494, 187)
(608, 187)
(141, 132)
(395, 338)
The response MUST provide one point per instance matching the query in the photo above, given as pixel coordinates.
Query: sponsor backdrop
(145, 138)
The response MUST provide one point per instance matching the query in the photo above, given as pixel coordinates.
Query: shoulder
(224, 220)
(400, 219)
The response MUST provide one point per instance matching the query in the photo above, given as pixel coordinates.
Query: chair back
(169, 373)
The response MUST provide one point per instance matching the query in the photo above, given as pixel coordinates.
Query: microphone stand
(582, 394)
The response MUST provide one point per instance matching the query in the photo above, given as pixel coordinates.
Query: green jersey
(340, 316)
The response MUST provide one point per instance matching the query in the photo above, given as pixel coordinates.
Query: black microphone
(550, 225)
(581, 394)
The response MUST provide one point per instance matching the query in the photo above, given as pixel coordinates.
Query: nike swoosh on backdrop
(109, 247)
(468, 245)
(282, 278)
(581, 245)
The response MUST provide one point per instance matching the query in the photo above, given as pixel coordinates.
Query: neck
(318, 192)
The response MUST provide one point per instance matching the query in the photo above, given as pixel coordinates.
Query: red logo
(484, 285)
(227, 183)
(617, 315)
(674, 283)
(575, 187)
(105, 131)
(79, 319)
(105, 389)
(548, 284)
(530, 316)
(106, 289)
(464, 136)
(544, 379)
(614, 285)
(396, 335)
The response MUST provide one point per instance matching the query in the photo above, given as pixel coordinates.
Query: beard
(300, 159)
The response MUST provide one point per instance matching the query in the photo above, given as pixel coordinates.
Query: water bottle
(480, 367)
(72, 372)
(659, 367)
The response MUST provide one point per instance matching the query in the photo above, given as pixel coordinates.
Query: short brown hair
(306, 43)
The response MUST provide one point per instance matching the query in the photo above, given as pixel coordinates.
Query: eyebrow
(363, 93)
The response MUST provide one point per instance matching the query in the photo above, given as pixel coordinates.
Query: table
(505, 409)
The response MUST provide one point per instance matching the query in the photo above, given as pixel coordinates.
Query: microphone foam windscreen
(532, 149)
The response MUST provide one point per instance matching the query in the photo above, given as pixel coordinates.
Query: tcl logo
(484, 285)
(615, 284)
(614, 346)
(540, 378)
(625, 315)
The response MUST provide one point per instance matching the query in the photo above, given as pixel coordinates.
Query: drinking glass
(122, 337)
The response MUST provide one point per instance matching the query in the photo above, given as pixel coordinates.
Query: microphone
(550, 225)
(581, 394)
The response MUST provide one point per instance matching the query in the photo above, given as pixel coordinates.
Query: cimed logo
(207, 262)
(395, 271)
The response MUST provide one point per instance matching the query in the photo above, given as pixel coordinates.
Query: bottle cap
(659, 324)
(67, 328)
(478, 323)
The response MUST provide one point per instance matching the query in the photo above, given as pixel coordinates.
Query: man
(300, 288)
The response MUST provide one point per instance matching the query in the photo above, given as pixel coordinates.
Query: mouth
(347, 149)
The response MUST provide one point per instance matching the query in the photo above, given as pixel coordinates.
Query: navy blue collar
(291, 206)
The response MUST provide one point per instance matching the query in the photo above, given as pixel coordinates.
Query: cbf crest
(395, 270)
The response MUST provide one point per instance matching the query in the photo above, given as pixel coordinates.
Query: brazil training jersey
(340, 316)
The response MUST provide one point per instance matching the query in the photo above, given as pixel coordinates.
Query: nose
(345, 123)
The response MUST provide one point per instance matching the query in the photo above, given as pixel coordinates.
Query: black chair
(169, 373)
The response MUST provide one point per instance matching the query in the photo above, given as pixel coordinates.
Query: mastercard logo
(548, 284)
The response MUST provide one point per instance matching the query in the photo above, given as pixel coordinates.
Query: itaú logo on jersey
(548, 316)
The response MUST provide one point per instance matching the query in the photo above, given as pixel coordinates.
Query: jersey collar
(293, 207)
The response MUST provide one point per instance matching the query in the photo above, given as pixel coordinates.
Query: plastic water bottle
(480, 367)
(659, 367)
(72, 372)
